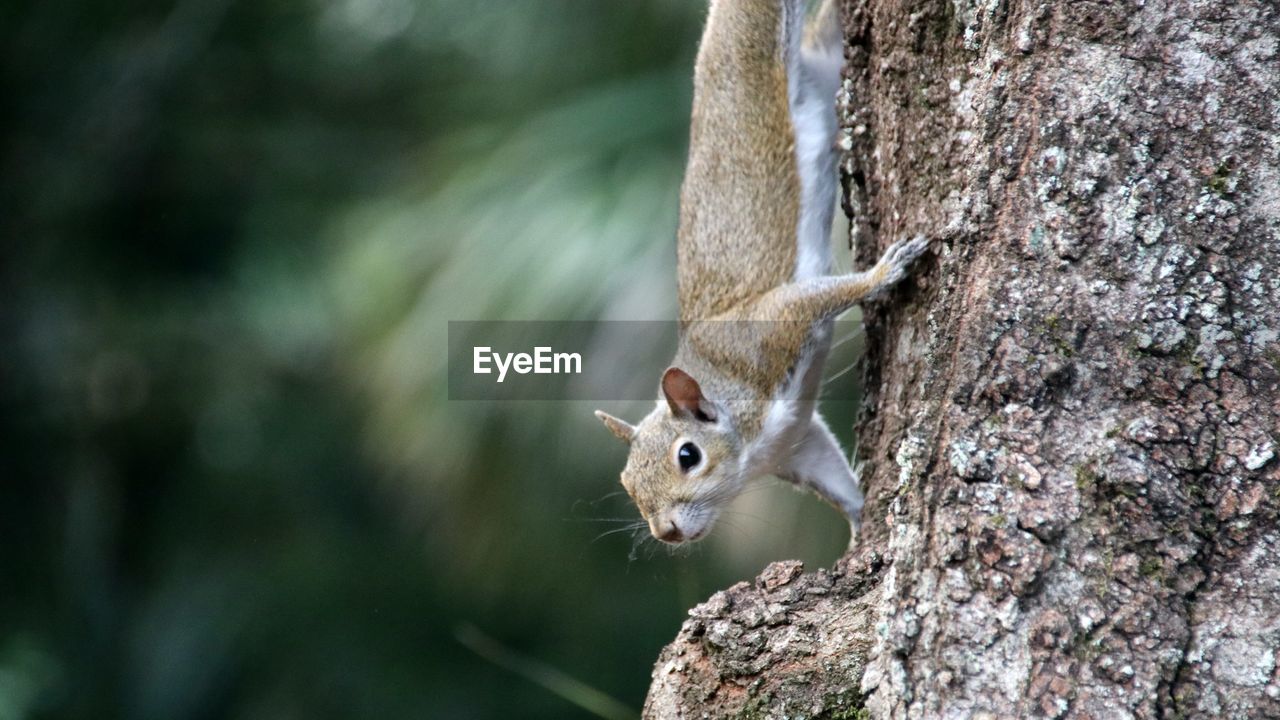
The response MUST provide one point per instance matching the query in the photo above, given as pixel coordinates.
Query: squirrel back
(759, 189)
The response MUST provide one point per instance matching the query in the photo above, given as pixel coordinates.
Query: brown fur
(751, 331)
(741, 195)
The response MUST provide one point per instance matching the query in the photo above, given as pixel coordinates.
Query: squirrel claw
(905, 252)
(895, 262)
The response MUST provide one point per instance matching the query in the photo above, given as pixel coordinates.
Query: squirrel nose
(666, 531)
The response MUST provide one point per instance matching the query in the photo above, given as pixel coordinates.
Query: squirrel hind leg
(819, 298)
(894, 264)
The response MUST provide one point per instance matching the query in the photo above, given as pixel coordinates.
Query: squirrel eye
(688, 456)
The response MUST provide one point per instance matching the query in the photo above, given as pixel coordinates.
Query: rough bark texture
(1072, 436)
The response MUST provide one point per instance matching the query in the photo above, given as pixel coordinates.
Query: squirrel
(756, 297)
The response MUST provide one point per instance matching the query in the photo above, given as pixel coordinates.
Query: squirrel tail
(814, 78)
(823, 33)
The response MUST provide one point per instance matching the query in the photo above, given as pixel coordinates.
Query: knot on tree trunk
(725, 660)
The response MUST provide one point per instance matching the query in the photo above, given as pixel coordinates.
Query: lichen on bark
(1073, 416)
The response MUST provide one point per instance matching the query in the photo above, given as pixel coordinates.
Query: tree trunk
(1073, 412)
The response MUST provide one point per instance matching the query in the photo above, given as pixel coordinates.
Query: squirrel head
(685, 461)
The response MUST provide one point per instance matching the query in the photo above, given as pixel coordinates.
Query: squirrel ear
(685, 396)
(618, 427)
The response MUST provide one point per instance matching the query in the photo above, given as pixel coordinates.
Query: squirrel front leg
(819, 298)
(818, 463)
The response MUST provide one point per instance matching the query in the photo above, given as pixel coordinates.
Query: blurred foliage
(232, 483)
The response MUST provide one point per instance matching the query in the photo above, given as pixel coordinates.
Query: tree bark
(1073, 411)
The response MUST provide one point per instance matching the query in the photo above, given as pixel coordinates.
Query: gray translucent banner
(586, 360)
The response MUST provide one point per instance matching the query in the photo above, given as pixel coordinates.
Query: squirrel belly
(756, 296)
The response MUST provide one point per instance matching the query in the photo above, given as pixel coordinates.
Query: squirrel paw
(895, 262)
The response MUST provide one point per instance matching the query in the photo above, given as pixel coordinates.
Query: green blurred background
(232, 484)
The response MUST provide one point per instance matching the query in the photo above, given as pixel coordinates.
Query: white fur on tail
(813, 76)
